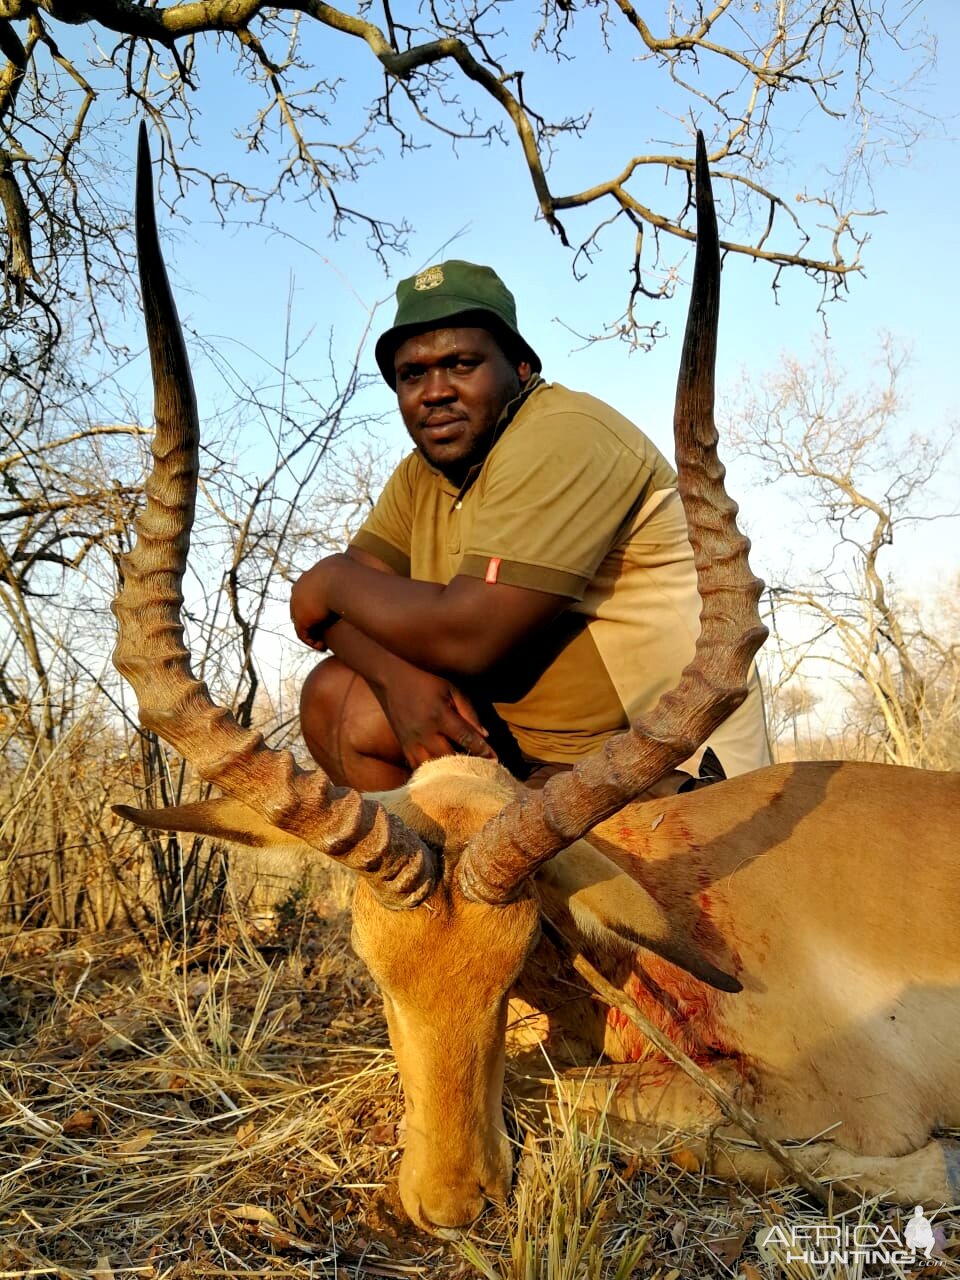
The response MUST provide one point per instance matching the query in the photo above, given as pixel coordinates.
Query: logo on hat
(429, 279)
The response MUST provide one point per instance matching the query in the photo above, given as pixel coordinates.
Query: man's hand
(430, 716)
(308, 606)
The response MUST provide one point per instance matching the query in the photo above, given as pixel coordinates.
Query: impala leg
(655, 1108)
(929, 1176)
(653, 1095)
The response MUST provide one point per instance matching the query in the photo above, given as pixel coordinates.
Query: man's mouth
(441, 427)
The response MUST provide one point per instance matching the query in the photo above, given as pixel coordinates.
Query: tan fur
(450, 1052)
(828, 892)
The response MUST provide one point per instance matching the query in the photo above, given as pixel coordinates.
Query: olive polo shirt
(572, 499)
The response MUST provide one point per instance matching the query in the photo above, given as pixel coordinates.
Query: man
(524, 586)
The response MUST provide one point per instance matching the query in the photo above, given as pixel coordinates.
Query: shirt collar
(509, 412)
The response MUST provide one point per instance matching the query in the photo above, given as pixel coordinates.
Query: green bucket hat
(454, 290)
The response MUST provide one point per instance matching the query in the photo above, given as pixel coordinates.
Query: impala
(793, 931)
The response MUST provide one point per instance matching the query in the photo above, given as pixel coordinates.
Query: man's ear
(524, 372)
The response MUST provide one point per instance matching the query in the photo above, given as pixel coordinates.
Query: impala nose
(453, 1204)
(451, 1216)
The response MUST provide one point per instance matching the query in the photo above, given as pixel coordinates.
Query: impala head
(445, 970)
(442, 916)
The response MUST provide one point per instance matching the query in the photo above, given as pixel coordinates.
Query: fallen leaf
(118, 1042)
(103, 1269)
(250, 1213)
(133, 1146)
(279, 1238)
(80, 1122)
(384, 1135)
(686, 1159)
(246, 1134)
(728, 1248)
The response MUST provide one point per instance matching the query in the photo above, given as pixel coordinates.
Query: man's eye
(409, 375)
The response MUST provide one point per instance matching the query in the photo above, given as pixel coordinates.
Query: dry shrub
(65, 860)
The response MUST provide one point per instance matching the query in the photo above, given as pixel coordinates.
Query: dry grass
(234, 1110)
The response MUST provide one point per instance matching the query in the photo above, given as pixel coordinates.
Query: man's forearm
(456, 630)
(461, 630)
(405, 617)
(361, 654)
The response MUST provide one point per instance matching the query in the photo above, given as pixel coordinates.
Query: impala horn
(514, 844)
(152, 656)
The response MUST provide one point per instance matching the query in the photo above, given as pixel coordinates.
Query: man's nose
(437, 386)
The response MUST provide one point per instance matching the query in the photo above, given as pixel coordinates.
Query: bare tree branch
(735, 66)
(857, 481)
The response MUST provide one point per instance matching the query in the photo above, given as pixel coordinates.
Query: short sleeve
(559, 489)
(386, 532)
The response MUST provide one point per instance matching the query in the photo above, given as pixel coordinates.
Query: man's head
(456, 359)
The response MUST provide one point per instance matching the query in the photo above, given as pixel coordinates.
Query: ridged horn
(512, 845)
(151, 654)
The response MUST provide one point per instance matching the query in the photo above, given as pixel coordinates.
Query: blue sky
(233, 283)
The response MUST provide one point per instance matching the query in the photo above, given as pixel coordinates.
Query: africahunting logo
(850, 1244)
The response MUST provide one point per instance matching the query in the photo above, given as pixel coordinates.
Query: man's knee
(323, 701)
(325, 690)
(327, 686)
(345, 729)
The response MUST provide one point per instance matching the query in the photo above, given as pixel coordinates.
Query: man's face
(452, 386)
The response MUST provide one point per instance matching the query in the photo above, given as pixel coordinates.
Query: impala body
(792, 930)
(846, 1024)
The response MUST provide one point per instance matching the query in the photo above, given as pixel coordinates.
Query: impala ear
(224, 819)
(611, 909)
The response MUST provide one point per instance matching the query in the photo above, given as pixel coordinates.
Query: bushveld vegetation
(191, 1085)
(196, 1077)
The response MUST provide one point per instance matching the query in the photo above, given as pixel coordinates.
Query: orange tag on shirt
(493, 569)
